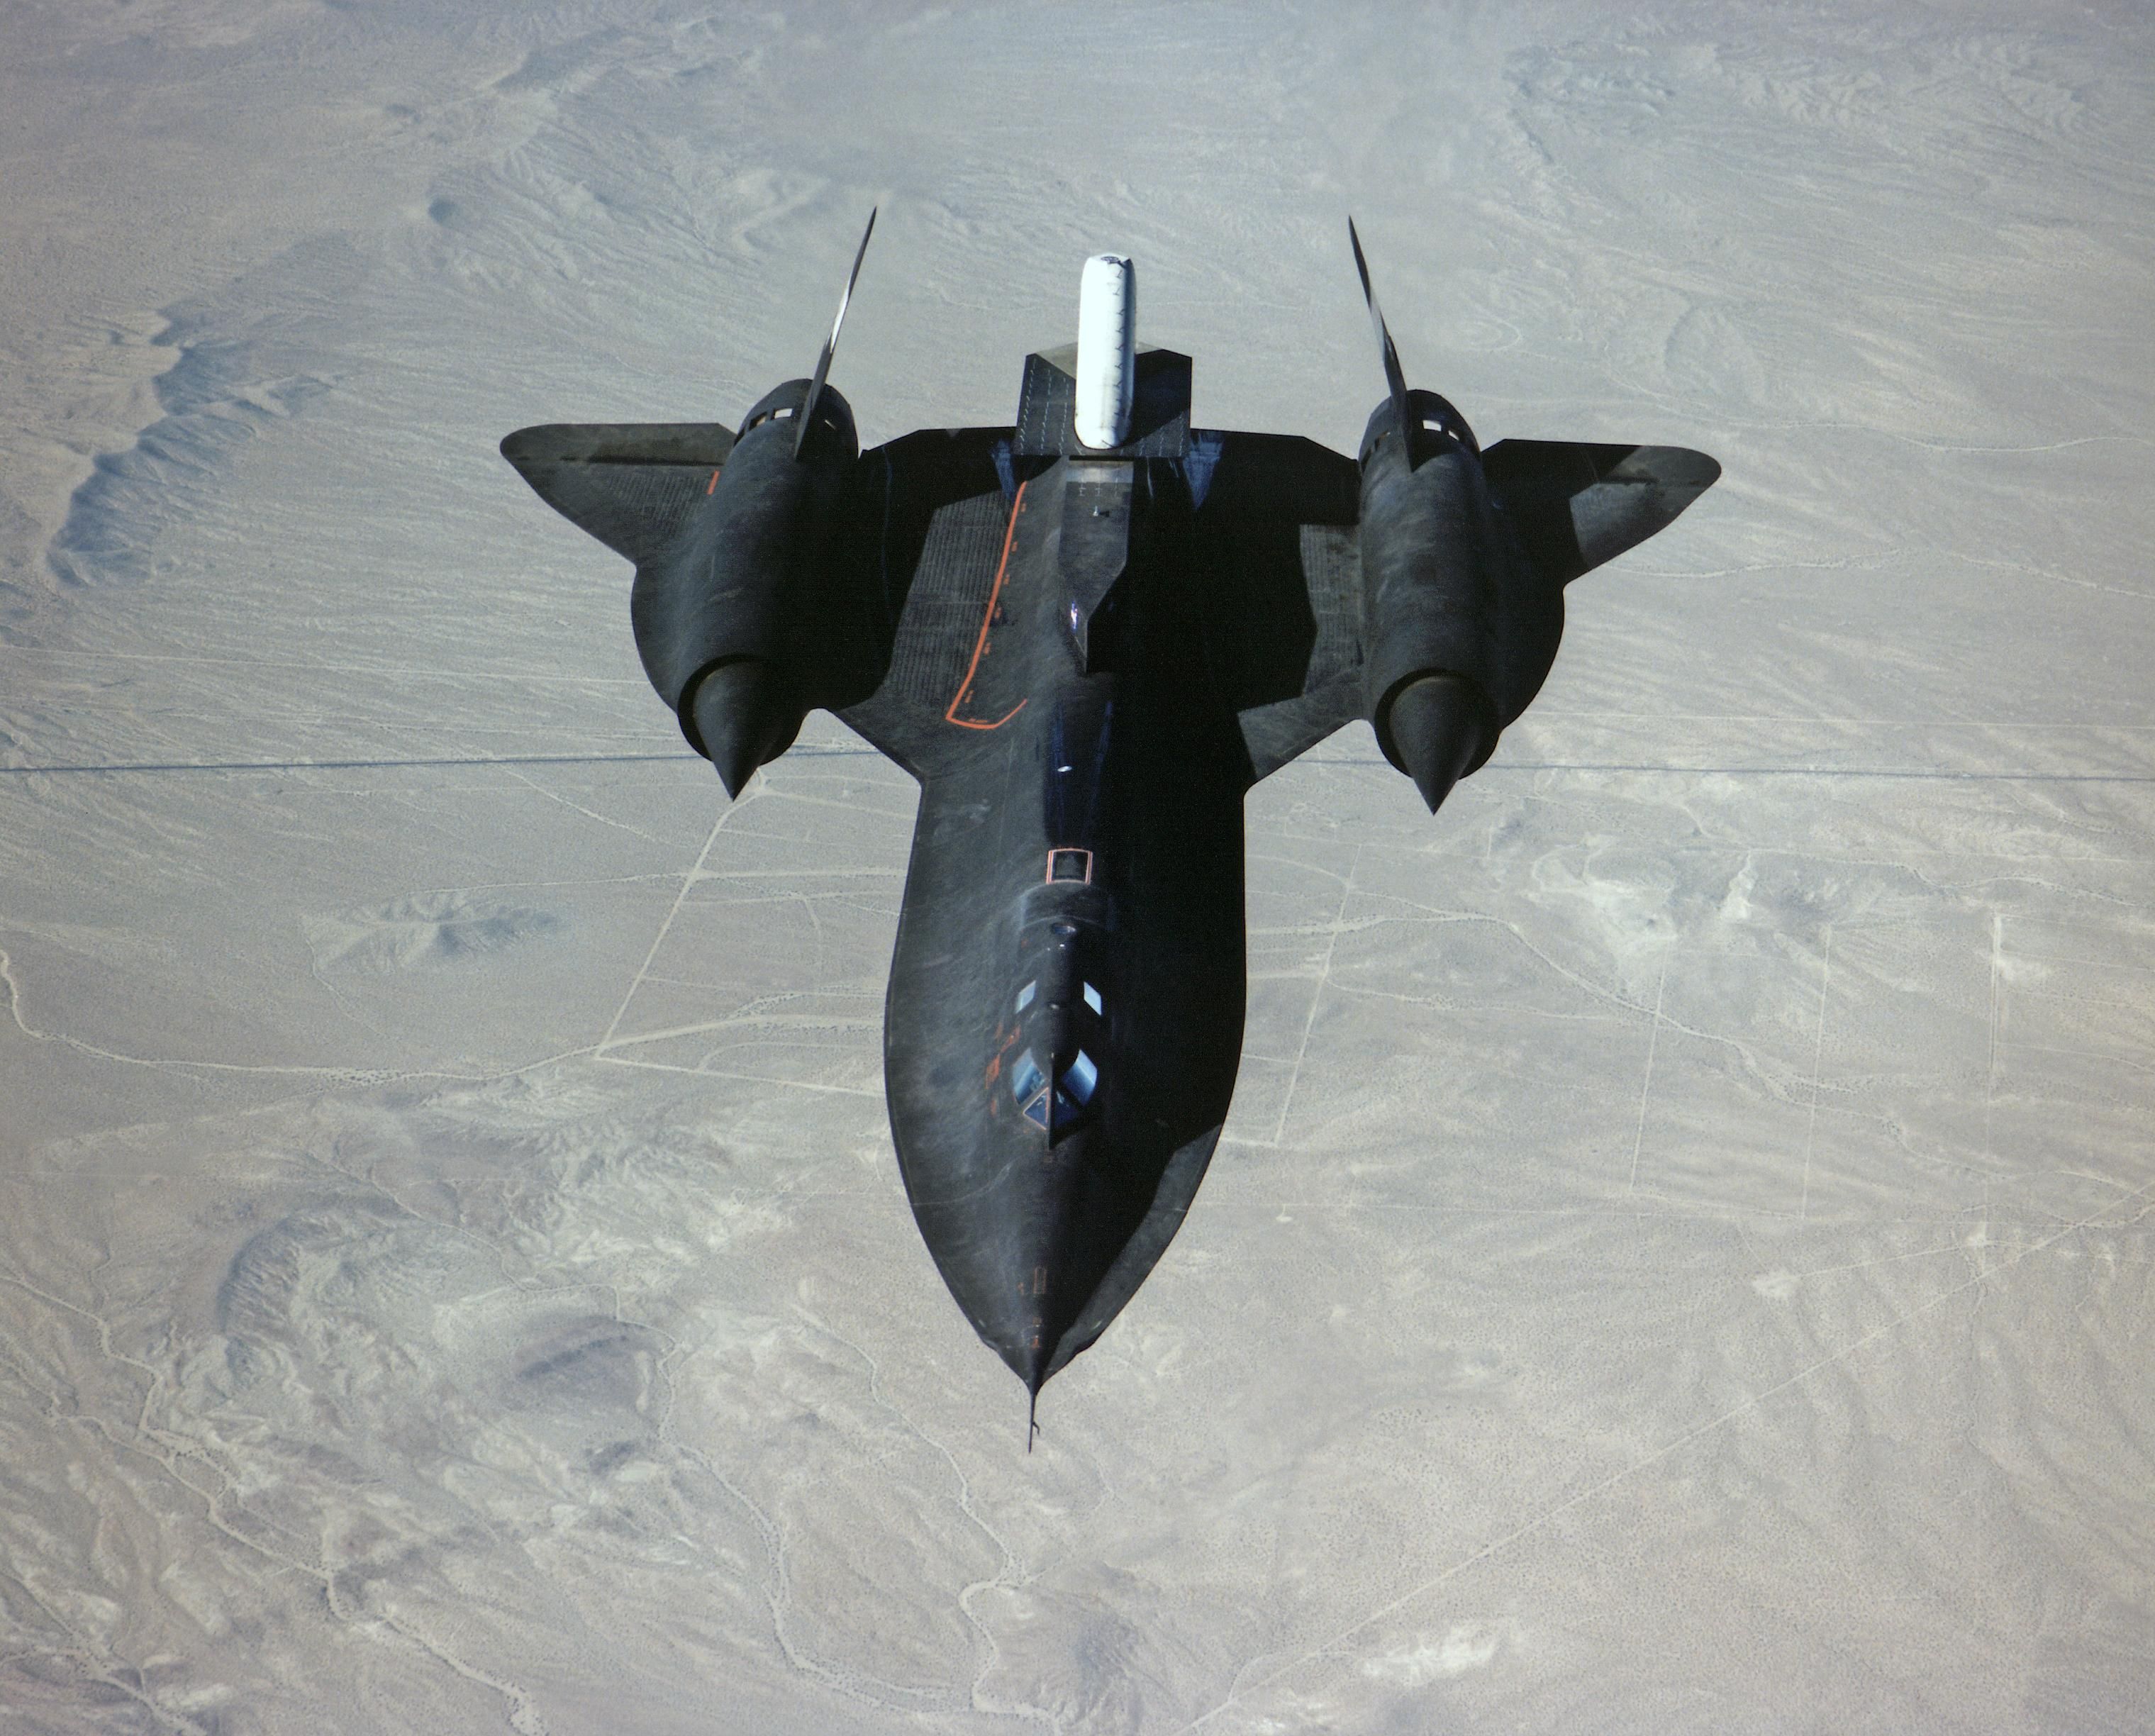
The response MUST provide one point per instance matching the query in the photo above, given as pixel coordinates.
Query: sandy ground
(1679, 1260)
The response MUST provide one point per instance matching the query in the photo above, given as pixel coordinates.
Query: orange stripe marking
(981, 644)
(712, 484)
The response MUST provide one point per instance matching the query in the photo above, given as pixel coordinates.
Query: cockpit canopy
(1064, 1104)
(1059, 1009)
(1093, 1002)
(1052, 1107)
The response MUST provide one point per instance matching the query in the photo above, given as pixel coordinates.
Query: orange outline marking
(1049, 879)
(981, 644)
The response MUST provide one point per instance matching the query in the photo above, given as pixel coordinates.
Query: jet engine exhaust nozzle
(1437, 729)
(746, 715)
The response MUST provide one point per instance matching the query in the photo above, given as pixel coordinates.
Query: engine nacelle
(1433, 576)
(724, 621)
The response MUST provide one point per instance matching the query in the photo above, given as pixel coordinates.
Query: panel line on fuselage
(987, 621)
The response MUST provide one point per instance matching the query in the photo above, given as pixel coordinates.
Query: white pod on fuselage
(1106, 350)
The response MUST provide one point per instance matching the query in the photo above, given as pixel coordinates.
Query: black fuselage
(1066, 1002)
(1086, 658)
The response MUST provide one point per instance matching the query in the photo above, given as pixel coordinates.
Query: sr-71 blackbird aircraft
(1086, 635)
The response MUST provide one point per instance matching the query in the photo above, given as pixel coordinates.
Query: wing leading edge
(927, 521)
(1280, 518)
(631, 484)
(1276, 522)
(1575, 505)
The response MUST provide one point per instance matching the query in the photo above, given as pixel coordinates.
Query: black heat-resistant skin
(742, 576)
(1086, 661)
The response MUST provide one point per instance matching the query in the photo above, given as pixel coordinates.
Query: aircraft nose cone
(1030, 1262)
(1026, 1339)
(1026, 1332)
(1442, 727)
(746, 715)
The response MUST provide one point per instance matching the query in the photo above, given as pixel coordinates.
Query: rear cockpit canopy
(1069, 1101)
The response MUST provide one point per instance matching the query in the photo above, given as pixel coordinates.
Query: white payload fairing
(1106, 350)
